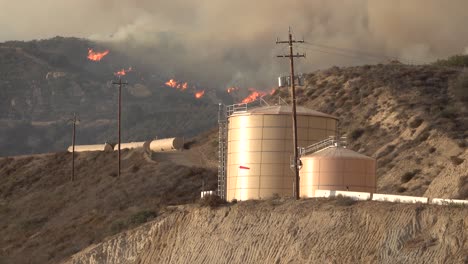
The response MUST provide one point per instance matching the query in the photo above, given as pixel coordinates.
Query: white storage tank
(260, 146)
(98, 147)
(166, 144)
(133, 145)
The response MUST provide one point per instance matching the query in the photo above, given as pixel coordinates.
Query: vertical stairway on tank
(222, 149)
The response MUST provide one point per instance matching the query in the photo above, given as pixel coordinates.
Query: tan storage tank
(99, 147)
(337, 168)
(133, 145)
(166, 144)
(260, 146)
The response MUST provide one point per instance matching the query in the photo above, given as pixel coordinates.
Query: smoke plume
(223, 43)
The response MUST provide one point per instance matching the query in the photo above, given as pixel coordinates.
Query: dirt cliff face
(308, 231)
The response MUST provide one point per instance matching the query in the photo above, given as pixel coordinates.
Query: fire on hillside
(96, 56)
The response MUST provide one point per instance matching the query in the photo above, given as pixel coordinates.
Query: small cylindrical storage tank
(260, 147)
(99, 147)
(166, 144)
(133, 145)
(339, 169)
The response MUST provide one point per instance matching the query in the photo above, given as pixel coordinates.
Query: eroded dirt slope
(308, 231)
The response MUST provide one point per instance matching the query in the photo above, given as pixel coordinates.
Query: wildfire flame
(232, 89)
(123, 72)
(199, 94)
(177, 85)
(254, 95)
(96, 56)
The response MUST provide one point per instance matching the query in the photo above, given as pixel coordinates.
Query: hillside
(45, 217)
(42, 83)
(287, 231)
(411, 118)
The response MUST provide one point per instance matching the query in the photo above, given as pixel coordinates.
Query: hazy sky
(234, 40)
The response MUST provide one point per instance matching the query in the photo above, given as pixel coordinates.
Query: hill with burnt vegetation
(43, 82)
(413, 119)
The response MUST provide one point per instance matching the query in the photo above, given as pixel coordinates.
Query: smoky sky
(223, 43)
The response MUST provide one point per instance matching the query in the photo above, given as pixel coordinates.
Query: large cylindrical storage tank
(260, 147)
(166, 144)
(99, 147)
(337, 168)
(133, 145)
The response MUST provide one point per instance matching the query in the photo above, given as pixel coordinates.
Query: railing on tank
(331, 141)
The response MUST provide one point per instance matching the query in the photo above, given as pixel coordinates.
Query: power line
(351, 51)
(347, 52)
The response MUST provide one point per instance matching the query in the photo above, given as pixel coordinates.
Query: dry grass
(45, 217)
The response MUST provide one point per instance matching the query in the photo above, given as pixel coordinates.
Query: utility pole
(74, 120)
(119, 117)
(291, 57)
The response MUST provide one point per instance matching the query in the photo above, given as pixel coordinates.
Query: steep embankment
(308, 231)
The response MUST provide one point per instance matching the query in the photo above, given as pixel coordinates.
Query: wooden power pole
(119, 119)
(74, 120)
(291, 57)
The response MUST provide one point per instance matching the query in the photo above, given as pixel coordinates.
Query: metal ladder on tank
(222, 147)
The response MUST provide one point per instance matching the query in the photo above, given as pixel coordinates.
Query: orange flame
(96, 56)
(123, 72)
(199, 94)
(254, 95)
(178, 85)
(232, 89)
(171, 83)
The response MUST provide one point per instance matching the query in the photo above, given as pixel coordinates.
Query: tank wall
(167, 144)
(263, 143)
(342, 174)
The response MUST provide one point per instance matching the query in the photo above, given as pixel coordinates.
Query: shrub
(456, 160)
(449, 112)
(344, 200)
(460, 87)
(463, 188)
(408, 176)
(211, 201)
(142, 217)
(135, 168)
(432, 150)
(423, 137)
(118, 226)
(453, 61)
(357, 133)
(401, 189)
(416, 123)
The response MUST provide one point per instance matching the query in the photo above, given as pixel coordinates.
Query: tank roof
(284, 109)
(337, 152)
